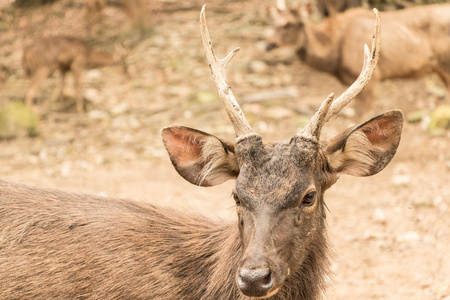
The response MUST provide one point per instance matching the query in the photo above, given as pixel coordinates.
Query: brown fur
(4, 74)
(63, 53)
(135, 10)
(332, 7)
(415, 42)
(63, 245)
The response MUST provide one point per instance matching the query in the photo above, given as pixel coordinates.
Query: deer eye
(236, 198)
(309, 198)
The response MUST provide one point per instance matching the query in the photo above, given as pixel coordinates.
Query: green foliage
(17, 120)
(440, 120)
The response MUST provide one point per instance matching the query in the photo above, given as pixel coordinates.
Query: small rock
(97, 114)
(379, 215)
(408, 237)
(93, 75)
(401, 180)
(258, 66)
(92, 95)
(66, 168)
(401, 175)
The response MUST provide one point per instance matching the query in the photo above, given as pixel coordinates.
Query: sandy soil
(391, 231)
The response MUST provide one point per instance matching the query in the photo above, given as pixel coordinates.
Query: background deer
(48, 54)
(416, 42)
(331, 7)
(135, 10)
(56, 244)
(4, 74)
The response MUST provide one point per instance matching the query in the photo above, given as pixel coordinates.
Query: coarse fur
(67, 245)
(415, 42)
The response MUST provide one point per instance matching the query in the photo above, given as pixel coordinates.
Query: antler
(330, 108)
(218, 66)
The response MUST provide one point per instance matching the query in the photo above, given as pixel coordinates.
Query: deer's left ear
(367, 148)
(200, 158)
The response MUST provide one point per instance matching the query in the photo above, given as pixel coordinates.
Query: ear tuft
(366, 149)
(199, 157)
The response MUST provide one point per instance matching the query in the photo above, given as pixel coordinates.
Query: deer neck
(310, 279)
(321, 44)
(100, 59)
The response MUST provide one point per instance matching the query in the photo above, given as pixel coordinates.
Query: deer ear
(199, 157)
(367, 148)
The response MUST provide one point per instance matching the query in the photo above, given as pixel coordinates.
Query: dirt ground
(390, 232)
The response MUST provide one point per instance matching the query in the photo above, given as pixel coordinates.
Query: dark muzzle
(255, 282)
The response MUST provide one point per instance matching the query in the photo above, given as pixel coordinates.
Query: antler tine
(370, 62)
(314, 127)
(218, 66)
(330, 108)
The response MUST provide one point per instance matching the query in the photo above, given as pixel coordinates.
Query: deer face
(289, 28)
(279, 186)
(280, 210)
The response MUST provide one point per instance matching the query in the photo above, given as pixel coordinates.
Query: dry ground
(391, 231)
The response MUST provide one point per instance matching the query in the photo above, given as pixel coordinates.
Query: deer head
(289, 25)
(279, 190)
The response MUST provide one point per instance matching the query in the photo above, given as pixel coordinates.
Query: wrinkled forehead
(274, 171)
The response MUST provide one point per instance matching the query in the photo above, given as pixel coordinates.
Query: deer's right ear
(200, 158)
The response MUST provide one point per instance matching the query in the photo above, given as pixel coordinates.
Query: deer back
(56, 244)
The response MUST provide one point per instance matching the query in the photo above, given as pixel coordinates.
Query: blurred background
(391, 231)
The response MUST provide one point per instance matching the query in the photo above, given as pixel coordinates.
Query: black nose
(255, 282)
(271, 46)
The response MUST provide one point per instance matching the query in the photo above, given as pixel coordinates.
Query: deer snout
(255, 282)
(271, 46)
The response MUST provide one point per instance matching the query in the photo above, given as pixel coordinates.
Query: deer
(416, 43)
(4, 74)
(332, 7)
(56, 244)
(65, 54)
(135, 10)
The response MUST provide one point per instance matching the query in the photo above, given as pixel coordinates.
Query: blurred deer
(416, 42)
(62, 245)
(135, 10)
(331, 7)
(4, 74)
(63, 53)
